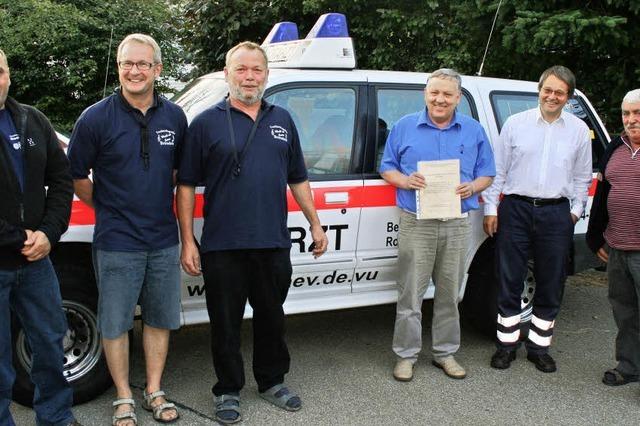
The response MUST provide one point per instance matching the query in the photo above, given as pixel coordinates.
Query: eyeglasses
(559, 93)
(142, 65)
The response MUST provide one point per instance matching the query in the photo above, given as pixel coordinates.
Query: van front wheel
(85, 366)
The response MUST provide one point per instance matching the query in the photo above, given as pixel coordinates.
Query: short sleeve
(83, 149)
(390, 157)
(191, 154)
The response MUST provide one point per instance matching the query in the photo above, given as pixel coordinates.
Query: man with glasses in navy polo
(129, 141)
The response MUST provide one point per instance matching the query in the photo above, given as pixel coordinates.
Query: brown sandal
(157, 410)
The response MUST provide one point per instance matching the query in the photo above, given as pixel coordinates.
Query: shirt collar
(157, 100)
(425, 120)
(560, 120)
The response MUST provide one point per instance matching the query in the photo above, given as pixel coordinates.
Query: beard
(236, 92)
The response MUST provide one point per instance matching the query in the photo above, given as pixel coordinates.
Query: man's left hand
(36, 247)
(320, 241)
(465, 190)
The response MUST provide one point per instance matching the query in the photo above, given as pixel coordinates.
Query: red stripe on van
(357, 197)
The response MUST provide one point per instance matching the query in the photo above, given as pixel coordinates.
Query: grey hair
(249, 45)
(3, 58)
(632, 97)
(561, 72)
(447, 74)
(142, 39)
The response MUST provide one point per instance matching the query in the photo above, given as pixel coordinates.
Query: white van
(343, 116)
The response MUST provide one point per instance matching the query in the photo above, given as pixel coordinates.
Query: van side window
(325, 120)
(393, 104)
(506, 104)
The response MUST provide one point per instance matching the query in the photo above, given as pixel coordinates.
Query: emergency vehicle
(343, 115)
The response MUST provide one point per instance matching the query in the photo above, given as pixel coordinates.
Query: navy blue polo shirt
(11, 139)
(133, 201)
(248, 211)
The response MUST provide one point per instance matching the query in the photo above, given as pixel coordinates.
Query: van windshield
(201, 94)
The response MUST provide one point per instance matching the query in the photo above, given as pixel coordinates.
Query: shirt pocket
(563, 156)
(467, 152)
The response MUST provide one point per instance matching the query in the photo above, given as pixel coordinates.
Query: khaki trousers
(429, 249)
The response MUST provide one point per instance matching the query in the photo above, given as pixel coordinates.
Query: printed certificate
(439, 199)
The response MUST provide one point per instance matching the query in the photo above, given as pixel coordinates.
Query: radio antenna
(486, 49)
(106, 71)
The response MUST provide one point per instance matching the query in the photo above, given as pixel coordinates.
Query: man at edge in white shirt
(543, 170)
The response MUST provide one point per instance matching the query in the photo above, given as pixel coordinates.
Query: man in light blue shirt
(433, 247)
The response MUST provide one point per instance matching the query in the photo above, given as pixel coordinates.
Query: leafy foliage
(58, 50)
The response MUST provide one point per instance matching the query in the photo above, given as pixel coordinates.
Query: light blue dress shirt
(416, 138)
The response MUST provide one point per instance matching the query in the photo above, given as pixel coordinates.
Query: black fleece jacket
(45, 203)
(599, 215)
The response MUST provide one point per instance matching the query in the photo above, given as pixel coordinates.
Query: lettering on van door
(335, 277)
(334, 233)
(330, 278)
(391, 239)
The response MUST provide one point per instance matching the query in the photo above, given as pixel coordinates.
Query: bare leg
(156, 345)
(117, 353)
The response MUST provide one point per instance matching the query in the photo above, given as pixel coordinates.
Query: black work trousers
(545, 232)
(232, 277)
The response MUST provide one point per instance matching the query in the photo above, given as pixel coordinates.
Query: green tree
(58, 50)
(595, 38)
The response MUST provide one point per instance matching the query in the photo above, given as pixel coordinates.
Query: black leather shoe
(543, 362)
(502, 359)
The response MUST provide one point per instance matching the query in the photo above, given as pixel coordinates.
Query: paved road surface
(342, 363)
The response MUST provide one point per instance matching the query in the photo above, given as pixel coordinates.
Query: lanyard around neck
(232, 134)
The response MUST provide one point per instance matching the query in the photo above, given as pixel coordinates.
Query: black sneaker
(502, 359)
(543, 362)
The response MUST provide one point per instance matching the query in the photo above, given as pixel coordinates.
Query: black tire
(479, 306)
(85, 365)
(480, 302)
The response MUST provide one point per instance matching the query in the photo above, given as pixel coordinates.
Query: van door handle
(336, 197)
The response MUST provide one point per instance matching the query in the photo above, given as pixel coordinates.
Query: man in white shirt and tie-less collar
(543, 170)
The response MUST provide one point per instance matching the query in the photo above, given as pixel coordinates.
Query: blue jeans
(33, 294)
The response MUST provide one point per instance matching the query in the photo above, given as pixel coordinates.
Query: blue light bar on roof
(282, 31)
(330, 25)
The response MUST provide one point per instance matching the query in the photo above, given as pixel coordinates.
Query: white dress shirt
(538, 159)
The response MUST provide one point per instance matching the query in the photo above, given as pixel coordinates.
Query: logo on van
(279, 132)
(166, 137)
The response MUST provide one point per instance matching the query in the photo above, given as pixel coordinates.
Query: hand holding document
(438, 200)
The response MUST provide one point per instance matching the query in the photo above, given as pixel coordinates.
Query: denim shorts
(125, 279)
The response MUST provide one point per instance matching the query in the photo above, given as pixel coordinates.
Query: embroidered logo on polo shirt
(166, 137)
(31, 142)
(279, 132)
(15, 141)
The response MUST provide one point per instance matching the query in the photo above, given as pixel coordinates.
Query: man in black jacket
(614, 236)
(36, 192)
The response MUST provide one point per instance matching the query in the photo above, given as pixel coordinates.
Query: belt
(538, 202)
(462, 216)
